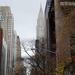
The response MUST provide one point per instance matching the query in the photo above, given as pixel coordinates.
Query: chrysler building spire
(40, 11)
(41, 5)
(40, 24)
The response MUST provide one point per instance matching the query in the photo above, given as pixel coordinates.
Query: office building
(8, 27)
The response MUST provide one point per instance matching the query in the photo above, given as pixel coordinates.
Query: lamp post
(56, 57)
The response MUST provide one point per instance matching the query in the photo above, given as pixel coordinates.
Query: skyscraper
(8, 27)
(40, 24)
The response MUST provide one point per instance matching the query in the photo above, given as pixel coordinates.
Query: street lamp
(53, 53)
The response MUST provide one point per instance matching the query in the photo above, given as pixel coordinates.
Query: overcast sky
(25, 14)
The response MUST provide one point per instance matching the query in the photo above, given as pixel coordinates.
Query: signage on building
(67, 3)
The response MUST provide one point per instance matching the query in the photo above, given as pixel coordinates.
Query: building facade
(3, 54)
(60, 22)
(15, 50)
(55, 12)
(66, 11)
(4, 58)
(50, 36)
(1, 36)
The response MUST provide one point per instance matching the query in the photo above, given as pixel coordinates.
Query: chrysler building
(40, 24)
